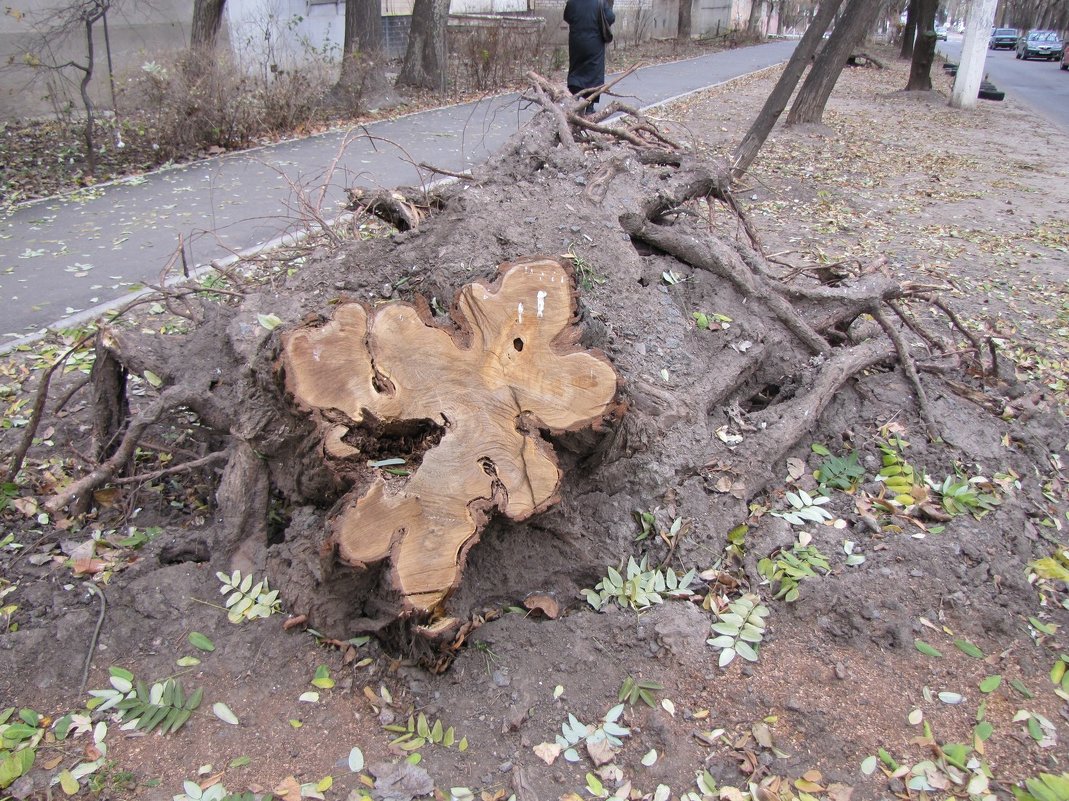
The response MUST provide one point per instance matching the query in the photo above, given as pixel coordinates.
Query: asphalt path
(1040, 85)
(64, 260)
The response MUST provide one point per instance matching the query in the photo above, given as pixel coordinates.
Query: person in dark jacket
(586, 44)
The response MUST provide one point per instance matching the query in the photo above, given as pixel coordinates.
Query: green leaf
(820, 450)
(969, 649)
(1041, 627)
(1034, 729)
(990, 684)
(68, 783)
(1018, 685)
(463, 744)
(983, 730)
(153, 379)
(322, 678)
(200, 642)
(193, 701)
(269, 321)
(187, 661)
(926, 649)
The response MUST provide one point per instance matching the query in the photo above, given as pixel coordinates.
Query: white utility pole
(973, 53)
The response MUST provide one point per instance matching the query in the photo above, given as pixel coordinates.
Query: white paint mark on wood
(519, 311)
(541, 295)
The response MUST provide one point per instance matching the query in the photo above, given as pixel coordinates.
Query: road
(65, 260)
(1038, 84)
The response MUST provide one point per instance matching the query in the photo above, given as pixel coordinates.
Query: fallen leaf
(546, 604)
(795, 468)
(762, 734)
(28, 506)
(222, 711)
(547, 752)
(288, 790)
(601, 751)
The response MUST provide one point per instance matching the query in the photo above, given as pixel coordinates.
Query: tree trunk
(684, 23)
(909, 34)
(973, 54)
(753, 27)
(920, 72)
(748, 148)
(362, 69)
(207, 21)
(854, 23)
(425, 61)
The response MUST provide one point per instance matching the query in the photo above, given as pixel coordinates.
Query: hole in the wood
(517, 343)
(401, 439)
(488, 466)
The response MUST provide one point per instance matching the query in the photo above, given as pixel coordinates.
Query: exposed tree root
(716, 257)
(79, 494)
(812, 332)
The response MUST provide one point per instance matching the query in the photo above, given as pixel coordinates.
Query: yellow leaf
(325, 784)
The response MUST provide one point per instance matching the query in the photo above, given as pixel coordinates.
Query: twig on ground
(93, 589)
(211, 458)
(910, 369)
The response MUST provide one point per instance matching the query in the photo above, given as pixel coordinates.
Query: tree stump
(509, 369)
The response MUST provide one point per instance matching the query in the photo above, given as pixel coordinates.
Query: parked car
(1040, 44)
(1002, 38)
(940, 33)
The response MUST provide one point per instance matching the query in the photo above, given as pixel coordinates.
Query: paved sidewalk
(63, 257)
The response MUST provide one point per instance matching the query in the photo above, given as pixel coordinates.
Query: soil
(970, 203)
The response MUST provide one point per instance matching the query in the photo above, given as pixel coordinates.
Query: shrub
(191, 103)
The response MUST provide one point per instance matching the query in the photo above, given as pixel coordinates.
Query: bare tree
(207, 21)
(748, 148)
(920, 72)
(425, 62)
(361, 60)
(854, 23)
(52, 30)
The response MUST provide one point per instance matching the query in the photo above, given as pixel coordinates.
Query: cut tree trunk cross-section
(511, 369)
